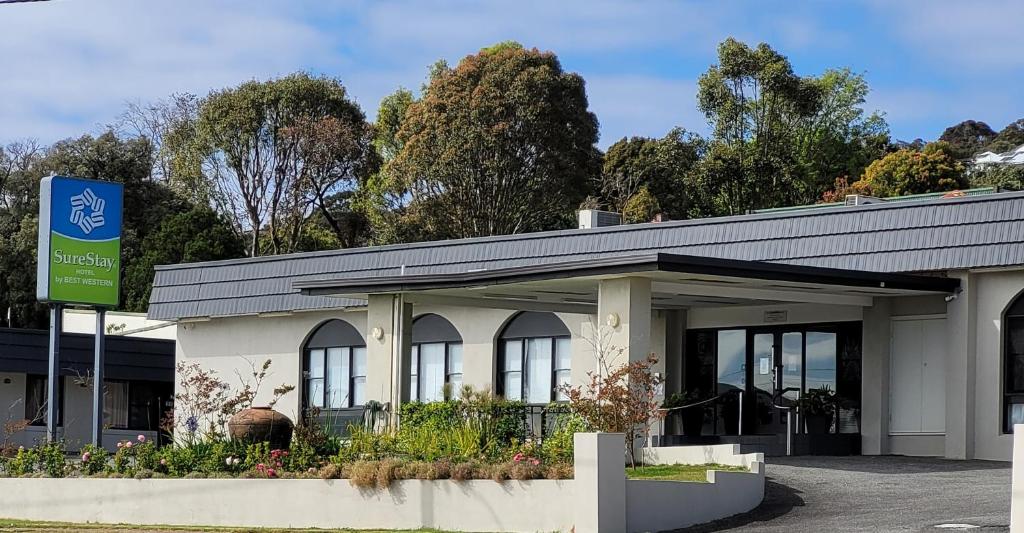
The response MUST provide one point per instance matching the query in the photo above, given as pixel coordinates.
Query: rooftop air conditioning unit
(859, 199)
(595, 218)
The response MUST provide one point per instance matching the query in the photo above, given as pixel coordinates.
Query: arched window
(534, 358)
(436, 359)
(334, 367)
(1013, 364)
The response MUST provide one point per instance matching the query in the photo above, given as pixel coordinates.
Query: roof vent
(859, 199)
(595, 218)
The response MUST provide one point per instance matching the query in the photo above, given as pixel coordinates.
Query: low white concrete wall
(665, 505)
(723, 454)
(599, 500)
(479, 505)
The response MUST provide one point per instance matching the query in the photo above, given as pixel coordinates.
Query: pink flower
(270, 472)
(535, 462)
(128, 444)
(85, 457)
(163, 462)
(120, 444)
(141, 438)
(518, 457)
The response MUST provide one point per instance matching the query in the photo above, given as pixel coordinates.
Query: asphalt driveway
(843, 494)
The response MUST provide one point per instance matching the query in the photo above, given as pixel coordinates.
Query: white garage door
(917, 386)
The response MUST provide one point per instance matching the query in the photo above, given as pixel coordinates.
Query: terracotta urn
(261, 424)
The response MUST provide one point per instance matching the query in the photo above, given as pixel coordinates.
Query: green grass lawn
(35, 527)
(679, 472)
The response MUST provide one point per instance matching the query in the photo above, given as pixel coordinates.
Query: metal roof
(920, 236)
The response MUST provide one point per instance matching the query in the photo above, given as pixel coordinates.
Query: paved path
(848, 494)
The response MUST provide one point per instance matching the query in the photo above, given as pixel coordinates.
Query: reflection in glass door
(764, 381)
(792, 366)
(732, 376)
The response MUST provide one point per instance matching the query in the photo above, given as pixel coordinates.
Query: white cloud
(967, 35)
(71, 66)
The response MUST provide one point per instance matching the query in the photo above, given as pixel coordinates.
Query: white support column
(961, 343)
(391, 317)
(624, 318)
(1017, 481)
(599, 481)
(875, 359)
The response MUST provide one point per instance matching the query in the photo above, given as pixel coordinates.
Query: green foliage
(819, 401)
(906, 171)
(557, 447)
(24, 462)
(968, 138)
(641, 207)
(1010, 177)
(502, 143)
(52, 459)
(134, 456)
(1008, 138)
(93, 460)
(779, 138)
(279, 147)
(665, 167)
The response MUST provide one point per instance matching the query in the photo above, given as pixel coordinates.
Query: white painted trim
(937, 316)
(916, 434)
(774, 295)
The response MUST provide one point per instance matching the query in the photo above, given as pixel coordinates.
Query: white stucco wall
(714, 317)
(127, 324)
(995, 291)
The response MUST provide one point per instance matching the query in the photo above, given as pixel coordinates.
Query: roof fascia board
(627, 265)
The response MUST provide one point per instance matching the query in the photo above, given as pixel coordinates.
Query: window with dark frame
(336, 377)
(436, 359)
(334, 368)
(1013, 364)
(535, 359)
(434, 365)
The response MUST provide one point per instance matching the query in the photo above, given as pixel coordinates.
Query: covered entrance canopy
(621, 292)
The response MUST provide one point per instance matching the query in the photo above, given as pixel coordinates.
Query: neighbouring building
(138, 386)
(990, 159)
(910, 309)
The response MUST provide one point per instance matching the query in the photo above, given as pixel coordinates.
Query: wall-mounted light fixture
(377, 333)
(612, 320)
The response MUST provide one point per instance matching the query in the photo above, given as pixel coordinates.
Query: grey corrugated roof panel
(747, 222)
(969, 232)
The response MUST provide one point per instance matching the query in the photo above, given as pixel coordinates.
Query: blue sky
(69, 66)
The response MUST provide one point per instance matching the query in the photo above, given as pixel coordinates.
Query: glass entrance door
(777, 361)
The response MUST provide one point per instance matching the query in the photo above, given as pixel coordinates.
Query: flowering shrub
(93, 460)
(133, 456)
(23, 463)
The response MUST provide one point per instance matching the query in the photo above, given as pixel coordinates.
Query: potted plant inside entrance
(818, 409)
(692, 417)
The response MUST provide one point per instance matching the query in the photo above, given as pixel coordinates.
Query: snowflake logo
(87, 211)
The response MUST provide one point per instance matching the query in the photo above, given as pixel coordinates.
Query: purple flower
(192, 424)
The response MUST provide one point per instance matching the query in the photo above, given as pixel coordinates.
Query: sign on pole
(79, 255)
(79, 263)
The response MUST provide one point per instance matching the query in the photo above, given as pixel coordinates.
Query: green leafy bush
(23, 463)
(93, 460)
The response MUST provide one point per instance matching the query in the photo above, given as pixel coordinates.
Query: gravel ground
(845, 494)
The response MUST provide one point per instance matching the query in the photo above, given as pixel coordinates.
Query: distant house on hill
(988, 159)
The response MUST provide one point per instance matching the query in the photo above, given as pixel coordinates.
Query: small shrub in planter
(693, 417)
(818, 407)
